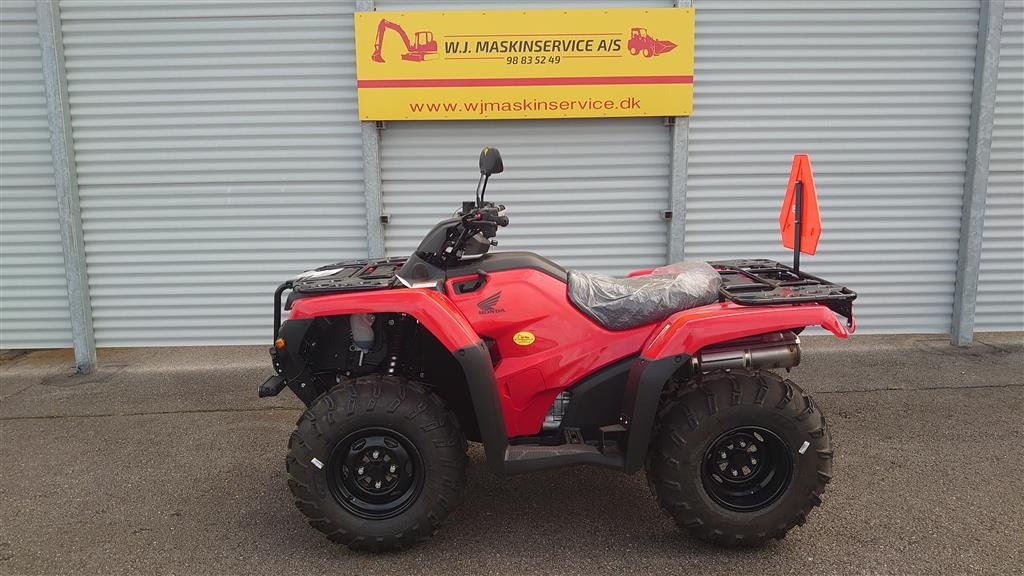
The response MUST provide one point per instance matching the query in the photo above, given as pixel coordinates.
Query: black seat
(623, 303)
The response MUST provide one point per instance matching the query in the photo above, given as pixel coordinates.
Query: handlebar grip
(501, 220)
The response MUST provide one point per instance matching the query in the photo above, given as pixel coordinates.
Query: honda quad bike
(401, 361)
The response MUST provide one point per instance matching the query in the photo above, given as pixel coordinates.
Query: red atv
(400, 361)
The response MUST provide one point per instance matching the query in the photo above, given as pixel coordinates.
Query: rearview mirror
(490, 161)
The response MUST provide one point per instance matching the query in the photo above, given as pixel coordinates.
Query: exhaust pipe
(771, 350)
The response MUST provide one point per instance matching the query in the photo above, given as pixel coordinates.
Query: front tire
(377, 463)
(741, 458)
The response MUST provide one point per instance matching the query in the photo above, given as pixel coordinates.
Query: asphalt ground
(165, 462)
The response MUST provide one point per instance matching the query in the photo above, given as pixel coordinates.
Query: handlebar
(470, 230)
(489, 213)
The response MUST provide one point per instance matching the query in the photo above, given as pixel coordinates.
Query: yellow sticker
(524, 338)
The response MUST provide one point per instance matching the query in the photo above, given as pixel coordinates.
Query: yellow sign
(524, 63)
(524, 338)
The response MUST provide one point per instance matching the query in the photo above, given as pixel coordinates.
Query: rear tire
(377, 463)
(729, 463)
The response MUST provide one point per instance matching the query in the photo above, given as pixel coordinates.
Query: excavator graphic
(641, 41)
(423, 48)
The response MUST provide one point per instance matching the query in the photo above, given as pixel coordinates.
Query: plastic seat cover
(623, 303)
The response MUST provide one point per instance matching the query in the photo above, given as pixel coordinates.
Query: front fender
(682, 336)
(431, 308)
(447, 323)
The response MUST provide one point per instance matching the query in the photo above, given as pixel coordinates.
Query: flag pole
(797, 224)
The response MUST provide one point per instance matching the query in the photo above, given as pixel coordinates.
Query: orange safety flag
(810, 226)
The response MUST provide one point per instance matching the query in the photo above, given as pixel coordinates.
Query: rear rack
(767, 282)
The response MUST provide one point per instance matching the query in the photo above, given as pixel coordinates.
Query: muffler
(771, 350)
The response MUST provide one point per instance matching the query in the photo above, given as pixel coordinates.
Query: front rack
(767, 282)
(348, 276)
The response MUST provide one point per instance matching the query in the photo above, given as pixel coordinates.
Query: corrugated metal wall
(879, 94)
(218, 152)
(33, 289)
(585, 193)
(1000, 304)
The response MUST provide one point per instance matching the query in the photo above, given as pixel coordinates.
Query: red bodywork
(567, 344)
(564, 345)
(432, 309)
(689, 331)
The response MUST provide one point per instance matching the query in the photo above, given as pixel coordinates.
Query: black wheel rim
(375, 473)
(746, 468)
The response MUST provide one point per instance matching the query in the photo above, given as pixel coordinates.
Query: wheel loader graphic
(642, 42)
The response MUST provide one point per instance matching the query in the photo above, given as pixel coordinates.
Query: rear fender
(438, 315)
(682, 336)
(689, 331)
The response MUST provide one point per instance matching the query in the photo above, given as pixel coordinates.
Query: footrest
(533, 451)
(272, 387)
(533, 457)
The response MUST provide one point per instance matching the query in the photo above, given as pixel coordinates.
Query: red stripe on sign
(557, 81)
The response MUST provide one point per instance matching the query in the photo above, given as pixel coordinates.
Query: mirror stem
(477, 195)
(480, 203)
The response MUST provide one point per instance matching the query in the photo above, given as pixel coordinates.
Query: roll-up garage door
(1001, 281)
(588, 194)
(33, 290)
(879, 94)
(218, 152)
